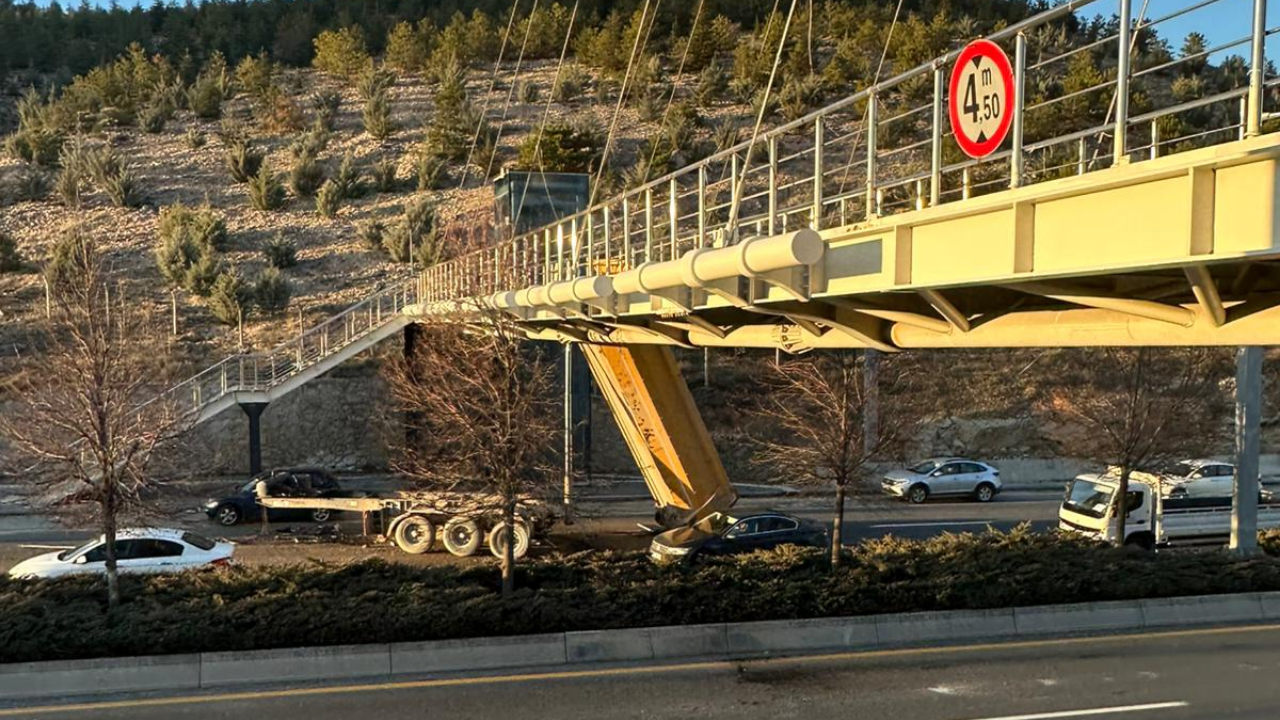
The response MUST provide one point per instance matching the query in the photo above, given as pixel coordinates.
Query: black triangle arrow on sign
(977, 61)
(982, 137)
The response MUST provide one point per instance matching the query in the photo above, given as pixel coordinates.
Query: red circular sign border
(973, 148)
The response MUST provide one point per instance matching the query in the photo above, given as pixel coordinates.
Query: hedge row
(375, 601)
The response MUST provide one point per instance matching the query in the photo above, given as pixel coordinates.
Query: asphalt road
(612, 525)
(1189, 675)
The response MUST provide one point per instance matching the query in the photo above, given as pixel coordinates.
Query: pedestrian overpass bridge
(861, 225)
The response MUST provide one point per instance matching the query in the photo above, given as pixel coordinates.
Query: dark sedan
(720, 534)
(243, 505)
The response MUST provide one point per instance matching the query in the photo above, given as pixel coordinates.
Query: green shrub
(205, 97)
(561, 147)
(254, 75)
(325, 104)
(67, 257)
(306, 176)
(39, 146)
(374, 81)
(347, 179)
(153, 119)
(243, 161)
(202, 226)
(28, 183)
(377, 602)
(203, 273)
(272, 291)
(407, 46)
(430, 169)
(71, 179)
(384, 175)
(310, 143)
(277, 112)
(123, 187)
(230, 298)
(713, 84)
(571, 85)
(527, 92)
(281, 252)
(455, 123)
(416, 237)
(341, 53)
(370, 233)
(195, 138)
(174, 257)
(377, 116)
(10, 258)
(328, 200)
(266, 192)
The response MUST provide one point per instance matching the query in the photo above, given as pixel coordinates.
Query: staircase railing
(260, 372)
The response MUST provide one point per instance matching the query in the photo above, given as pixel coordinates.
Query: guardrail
(887, 149)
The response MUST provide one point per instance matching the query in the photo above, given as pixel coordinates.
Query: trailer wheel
(462, 536)
(498, 540)
(415, 535)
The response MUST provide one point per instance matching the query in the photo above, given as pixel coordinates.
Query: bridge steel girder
(662, 427)
(1163, 252)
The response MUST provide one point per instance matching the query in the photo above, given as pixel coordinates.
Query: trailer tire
(321, 515)
(415, 534)
(462, 536)
(498, 539)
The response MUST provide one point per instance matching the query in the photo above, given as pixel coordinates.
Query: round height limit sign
(981, 98)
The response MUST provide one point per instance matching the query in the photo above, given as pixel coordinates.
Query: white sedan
(143, 550)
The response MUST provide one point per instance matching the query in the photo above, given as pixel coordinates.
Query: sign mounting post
(981, 98)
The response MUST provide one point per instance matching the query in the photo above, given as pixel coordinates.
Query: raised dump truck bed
(412, 521)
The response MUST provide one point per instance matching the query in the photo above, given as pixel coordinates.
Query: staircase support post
(254, 411)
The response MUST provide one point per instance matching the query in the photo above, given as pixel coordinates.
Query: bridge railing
(890, 149)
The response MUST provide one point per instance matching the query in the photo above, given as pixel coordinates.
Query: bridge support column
(254, 411)
(1244, 505)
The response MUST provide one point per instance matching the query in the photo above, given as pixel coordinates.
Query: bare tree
(820, 406)
(480, 413)
(85, 411)
(1140, 407)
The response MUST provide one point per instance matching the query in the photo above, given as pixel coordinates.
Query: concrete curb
(721, 641)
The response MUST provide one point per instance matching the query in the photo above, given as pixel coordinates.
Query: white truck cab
(1155, 519)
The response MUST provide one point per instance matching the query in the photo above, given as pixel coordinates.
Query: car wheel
(498, 540)
(415, 535)
(462, 536)
(917, 494)
(321, 515)
(986, 492)
(227, 515)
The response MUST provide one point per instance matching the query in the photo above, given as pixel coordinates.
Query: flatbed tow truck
(413, 520)
(663, 430)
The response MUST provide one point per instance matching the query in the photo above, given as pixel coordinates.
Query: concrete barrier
(106, 675)
(338, 662)
(1083, 617)
(1172, 612)
(790, 636)
(953, 626)
(733, 641)
(477, 654)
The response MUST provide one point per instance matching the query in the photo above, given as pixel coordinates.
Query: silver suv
(944, 476)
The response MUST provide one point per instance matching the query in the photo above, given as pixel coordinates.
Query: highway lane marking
(1093, 712)
(622, 671)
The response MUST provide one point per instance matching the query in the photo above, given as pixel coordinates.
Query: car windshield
(925, 467)
(1088, 498)
(77, 550)
(199, 541)
(715, 523)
